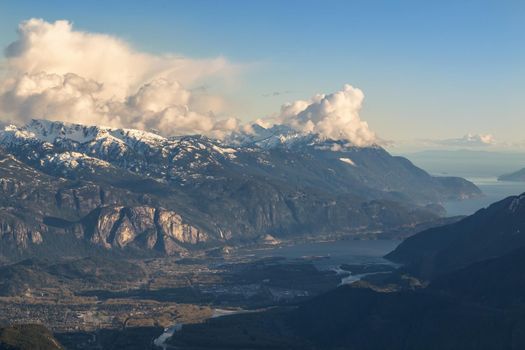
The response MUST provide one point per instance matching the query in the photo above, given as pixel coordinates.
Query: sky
(432, 73)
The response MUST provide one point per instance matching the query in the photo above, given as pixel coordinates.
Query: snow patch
(347, 161)
(72, 160)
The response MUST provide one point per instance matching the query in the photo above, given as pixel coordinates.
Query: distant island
(517, 176)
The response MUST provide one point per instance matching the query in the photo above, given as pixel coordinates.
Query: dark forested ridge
(28, 337)
(489, 233)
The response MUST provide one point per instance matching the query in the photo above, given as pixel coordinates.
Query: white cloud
(469, 140)
(55, 72)
(334, 116)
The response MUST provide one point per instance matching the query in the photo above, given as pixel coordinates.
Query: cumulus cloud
(55, 72)
(334, 116)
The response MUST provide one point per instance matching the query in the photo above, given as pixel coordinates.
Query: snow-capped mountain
(70, 145)
(121, 182)
(284, 136)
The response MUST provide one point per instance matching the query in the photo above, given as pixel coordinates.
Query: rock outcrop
(142, 227)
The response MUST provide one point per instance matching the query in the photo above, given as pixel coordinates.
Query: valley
(460, 287)
(87, 301)
(118, 238)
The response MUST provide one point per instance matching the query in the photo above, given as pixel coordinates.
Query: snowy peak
(71, 147)
(256, 136)
(50, 131)
(259, 136)
(53, 131)
(284, 136)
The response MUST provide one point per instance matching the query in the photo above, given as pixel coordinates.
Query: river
(331, 255)
(168, 332)
(324, 255)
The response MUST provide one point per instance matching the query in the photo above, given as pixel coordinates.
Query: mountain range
(107, 189)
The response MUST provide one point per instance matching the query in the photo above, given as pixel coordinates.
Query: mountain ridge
(516, 176)
(214, 191)
(490, 232)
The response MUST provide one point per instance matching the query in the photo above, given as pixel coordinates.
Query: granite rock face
(142, 226)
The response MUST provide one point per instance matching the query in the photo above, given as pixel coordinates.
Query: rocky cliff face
(143, 227)
(19, 231)
(36, 205)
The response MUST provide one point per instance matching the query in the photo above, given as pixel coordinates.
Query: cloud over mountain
(334, 116)
(56, 72)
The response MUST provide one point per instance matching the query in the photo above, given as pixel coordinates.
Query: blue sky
(429, 69)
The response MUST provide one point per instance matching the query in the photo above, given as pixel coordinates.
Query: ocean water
(493, 191)
(480, 167)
